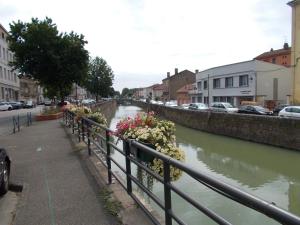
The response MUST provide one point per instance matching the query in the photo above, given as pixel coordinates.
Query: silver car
(223, 107)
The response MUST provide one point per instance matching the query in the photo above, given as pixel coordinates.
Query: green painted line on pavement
(49, 199)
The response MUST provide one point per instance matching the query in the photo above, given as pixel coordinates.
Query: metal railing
(85, 129)
(21, 121)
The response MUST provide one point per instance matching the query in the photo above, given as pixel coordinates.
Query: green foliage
(100, 78)
(127, 93)
(112, 206)
(56, 60)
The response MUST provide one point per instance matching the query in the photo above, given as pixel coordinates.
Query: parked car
(16, 105)
(48, 102)
(159, 103)
(290, 111)
(198, 106)
(29, 104)
(4, 171)
(254, 109)
(88, 101)
(223, 107)
(171, 104)
(278, 108)
(184, 106)
(5, 106)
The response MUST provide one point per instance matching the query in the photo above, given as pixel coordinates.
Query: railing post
(167, 193)
(88, 127)
(82, 129)
(108, 157)
(73, 124)
(27, 115)
(78, 130)
(14, 122)
(128, 166)
(18, 122)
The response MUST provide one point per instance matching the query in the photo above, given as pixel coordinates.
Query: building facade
(279, 56)
(77, 93)
(175, 82)
(30, 90)
(9, 81)
(245, 81)
(295, 56)
(183, 96)
(158, 91)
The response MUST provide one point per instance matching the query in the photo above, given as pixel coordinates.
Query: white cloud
(143, 39)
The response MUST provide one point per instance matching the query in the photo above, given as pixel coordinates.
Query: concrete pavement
(58, 189)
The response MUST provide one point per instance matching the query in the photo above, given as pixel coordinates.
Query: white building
(9, 81)
(245, 81)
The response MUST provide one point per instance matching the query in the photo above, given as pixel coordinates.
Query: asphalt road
(6, 118)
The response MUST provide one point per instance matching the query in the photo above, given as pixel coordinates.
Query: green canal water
(270, 173)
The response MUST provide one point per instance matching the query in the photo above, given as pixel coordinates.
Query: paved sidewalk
(58, 188)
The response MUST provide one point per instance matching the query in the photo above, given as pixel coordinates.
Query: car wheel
(5, 179)
(9, 109)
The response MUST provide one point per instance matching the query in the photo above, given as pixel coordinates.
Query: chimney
(168, 74)
(285, 46)
(176, 70)
(196, 71)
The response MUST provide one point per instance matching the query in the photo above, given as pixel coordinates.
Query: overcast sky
(144, 39)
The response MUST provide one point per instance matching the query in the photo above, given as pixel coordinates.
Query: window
(3, 53)
(295, 110)
(244, 81)
(1, 73)
(5, 76)
(228, 82)
(199, 85)
(217, 83)
(2, 35)
(15, 77)
(273, 60)
(205, 85)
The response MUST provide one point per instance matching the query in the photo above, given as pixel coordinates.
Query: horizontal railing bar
(203, 209)
(97, 124)
(118, 165)
(245, 198)
(118, 179)
(176, 218)
(150, 216)
(156, 176)
(101, 160)
(116, 148)
(149, 193)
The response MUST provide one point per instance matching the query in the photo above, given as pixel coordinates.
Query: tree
(127, 93)
(56, 60)
(100, 78)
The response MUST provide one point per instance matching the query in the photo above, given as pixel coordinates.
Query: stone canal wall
(107, 108)
(270, 130)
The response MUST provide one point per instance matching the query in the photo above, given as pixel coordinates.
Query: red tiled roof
(274, 53)
(160, 87)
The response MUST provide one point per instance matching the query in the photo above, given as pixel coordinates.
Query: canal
(267, 172)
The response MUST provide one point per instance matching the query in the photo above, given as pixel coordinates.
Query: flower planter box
(142, 155)
(49, 117)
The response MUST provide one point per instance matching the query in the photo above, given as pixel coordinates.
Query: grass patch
(111, 205)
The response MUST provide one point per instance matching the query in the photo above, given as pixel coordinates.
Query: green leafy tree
(100, 78)
(127, 93)
(56, 60)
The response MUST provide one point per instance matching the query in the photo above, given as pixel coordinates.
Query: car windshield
(201, 105)
(228, 105)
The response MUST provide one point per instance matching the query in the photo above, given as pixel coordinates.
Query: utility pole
(208, 90)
